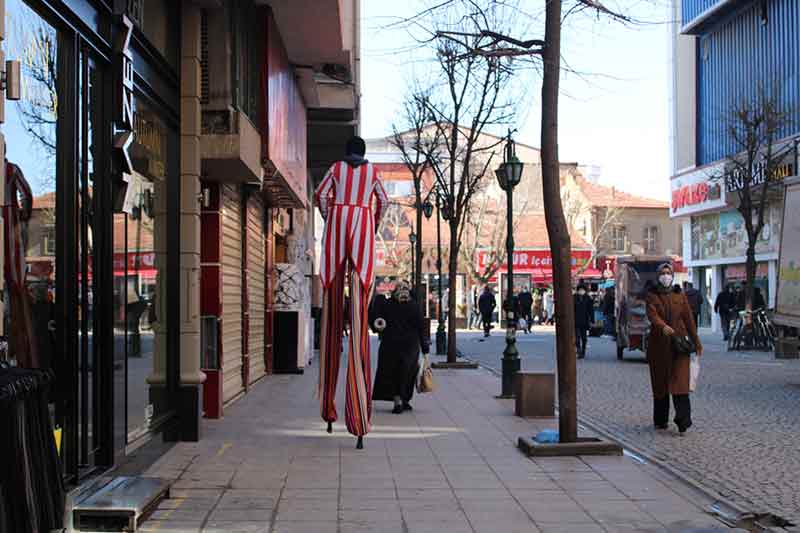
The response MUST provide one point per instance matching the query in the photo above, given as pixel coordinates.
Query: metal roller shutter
(256, 276)
(231, 253)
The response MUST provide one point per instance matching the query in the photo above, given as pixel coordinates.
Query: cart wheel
(620, 351)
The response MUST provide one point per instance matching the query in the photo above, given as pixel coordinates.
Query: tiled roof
(604, 196)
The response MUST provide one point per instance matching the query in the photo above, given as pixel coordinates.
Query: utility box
(535, 394)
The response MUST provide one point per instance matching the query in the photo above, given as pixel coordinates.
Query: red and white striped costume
(345, 198)
(16, 212)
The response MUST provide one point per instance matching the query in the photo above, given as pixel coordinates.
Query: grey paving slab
(449, 466)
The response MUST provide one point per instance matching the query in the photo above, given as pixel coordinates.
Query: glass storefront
(86, 287)
(140, 251)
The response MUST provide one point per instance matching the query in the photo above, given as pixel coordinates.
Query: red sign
(527, 260)
(136, 261)
(694, 194)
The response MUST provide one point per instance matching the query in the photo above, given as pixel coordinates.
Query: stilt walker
(345, 199)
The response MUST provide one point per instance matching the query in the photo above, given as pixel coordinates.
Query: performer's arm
(324, 192)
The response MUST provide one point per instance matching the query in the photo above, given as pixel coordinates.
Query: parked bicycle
(756, 333)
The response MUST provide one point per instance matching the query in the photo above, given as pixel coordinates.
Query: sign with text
(525, 260)
(696, 192)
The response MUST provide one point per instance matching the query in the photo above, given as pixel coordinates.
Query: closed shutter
(256, 271)
(231, 293)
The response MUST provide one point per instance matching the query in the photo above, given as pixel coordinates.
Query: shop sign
(135, 261)
(123, 116)
(735, 179)
(696, 192)
(541, 259)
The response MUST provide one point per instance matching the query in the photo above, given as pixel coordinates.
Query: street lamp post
(508, 175)
(413, 240)
(441, 336)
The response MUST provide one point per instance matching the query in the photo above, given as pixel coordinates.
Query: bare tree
(397, 252)
(36, 44)
(418, 145)
(472, 94)
(755, 171)
(601, 220)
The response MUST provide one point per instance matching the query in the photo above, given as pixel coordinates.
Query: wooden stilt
(330, 427)
(360, 443)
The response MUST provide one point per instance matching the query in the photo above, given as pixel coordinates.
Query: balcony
(230, 146)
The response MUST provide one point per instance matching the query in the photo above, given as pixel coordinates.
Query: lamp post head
(514, 171)
(427, 208)
(502, 178)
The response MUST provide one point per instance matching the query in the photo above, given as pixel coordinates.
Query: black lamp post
(412, 238)
(509, 174)
(441, 212)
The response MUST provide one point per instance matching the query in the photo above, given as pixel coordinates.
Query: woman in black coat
(401, 326)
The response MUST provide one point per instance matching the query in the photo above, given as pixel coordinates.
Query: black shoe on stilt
(407, 407)
(330, 427)
(398, 408)
(360, 443)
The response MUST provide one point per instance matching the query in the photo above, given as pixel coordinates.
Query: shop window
(619, 238)
(247, 23)
(158, 20)
(49, 243)
(650, 239)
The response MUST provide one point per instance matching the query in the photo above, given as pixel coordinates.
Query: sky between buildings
(615, 116)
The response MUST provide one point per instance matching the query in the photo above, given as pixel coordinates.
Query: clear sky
(615, 116)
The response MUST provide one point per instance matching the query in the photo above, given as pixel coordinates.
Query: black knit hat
(355, 146)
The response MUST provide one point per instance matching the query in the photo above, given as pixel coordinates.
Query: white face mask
(665, 279)
(581, 292)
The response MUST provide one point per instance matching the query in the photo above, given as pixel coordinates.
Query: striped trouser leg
(358, 397)
(330, 350)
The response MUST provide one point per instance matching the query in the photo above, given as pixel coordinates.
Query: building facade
(722, 54)
(165, 153)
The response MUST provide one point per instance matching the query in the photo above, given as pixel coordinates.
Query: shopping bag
(522, 324)
(425, 383)
(694, 372)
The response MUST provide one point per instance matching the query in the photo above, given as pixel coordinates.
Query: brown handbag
(426, 383)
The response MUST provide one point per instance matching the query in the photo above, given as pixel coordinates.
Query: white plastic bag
(522, 324)
(694, 372)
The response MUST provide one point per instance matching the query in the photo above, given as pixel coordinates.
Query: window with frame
(650, 239)
(619, 238)
(49, 242)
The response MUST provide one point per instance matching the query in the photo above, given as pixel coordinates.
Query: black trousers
(725, 319)
(487, 323)
(683, 410)
(580, 340)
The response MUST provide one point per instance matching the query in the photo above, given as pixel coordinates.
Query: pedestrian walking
(538, 308)
(584, 315)
(695, 300)
(549, 306)
(758, 299)
(724, 305)
(671, 320)
(609, 312)
(525, 301)
(401, 326)
(486, 304)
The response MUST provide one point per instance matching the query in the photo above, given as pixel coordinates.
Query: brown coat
(669, 374)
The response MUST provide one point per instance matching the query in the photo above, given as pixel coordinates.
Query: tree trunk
(750, 274)
(560, 245)
(452, 275)
(418, 259)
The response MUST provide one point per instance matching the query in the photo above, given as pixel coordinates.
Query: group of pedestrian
(731, 301)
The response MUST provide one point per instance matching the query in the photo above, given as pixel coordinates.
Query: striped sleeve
(381, 200)
(324, 192)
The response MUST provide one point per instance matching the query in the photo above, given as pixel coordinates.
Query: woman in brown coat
(669, 314)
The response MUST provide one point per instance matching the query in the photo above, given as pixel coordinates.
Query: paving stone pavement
(451, 465)
(744, 443)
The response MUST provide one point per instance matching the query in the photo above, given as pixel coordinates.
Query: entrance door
(55, 150)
